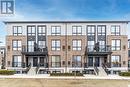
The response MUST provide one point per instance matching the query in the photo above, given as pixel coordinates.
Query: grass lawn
(62, 83)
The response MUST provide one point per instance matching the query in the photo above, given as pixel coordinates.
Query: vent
(68, 62)
(63, 48)
(8, 47)
(63, 62)
(124, 47)
(69, 48)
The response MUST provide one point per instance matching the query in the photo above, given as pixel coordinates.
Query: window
(56, 61)
(41, 44)
(41, 30)
(116, 61)
(30, 46)
(55, 30)
(76, 61)
(101, 30)
(116, 44)
(17, 61)
(77, 30)
(17, 45)
(90, 30)
(129, 53)
(76, 44)
(90, 45)
(115, 30)
(55, 45)
(17, 30)
(129, 63)
(31, 30)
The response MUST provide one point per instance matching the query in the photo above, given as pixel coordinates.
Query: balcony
(34, 51)
(18, 64)
(98, 50)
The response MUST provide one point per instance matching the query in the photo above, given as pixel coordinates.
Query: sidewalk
(47, 76)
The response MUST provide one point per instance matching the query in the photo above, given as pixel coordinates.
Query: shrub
(124, 73)
(66, 74)
(7, 72)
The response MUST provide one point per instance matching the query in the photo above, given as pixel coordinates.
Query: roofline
(66, 22)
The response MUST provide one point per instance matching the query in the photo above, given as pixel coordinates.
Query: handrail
(104, 66)
(28, 67)
(96, 69)
(37, 68)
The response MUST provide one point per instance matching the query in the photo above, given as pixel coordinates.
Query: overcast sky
(68, 10)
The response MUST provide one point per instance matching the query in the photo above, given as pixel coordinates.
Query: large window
(116, 61)
(101, 30)
(115, 30)
(41, 44)
(90, 30)
(31, 30)
(17, 45)
(17, 61)
(41, 30)
(76, 44)
(76, 61)
(116, 44)
(17, 30)
(55, 30)
(56, 61)
(30, 46)
(77, 30)
(55, 45)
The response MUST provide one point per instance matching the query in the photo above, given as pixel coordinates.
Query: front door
(41, 61)
(35, 61)
(90, 61)
(97, 61)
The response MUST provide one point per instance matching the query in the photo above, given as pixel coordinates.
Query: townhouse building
(88, 47)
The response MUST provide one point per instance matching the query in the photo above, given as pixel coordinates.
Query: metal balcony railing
(18, 64)
(100, 48)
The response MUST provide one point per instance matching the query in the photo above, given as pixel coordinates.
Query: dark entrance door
(90, 61)
(41, 61)
(35, 61)
(97, 61)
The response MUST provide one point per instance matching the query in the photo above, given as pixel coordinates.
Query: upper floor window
(76, 61)
(115, 30)
(76, 44)
(90, 30)
(41, 30)
(116, 61)
(41, 44)
(101, 29)
(55, 30)
(77, 30)
(31, 46)
(56, 61)
(17, 30)
(116, 44)
(55, 45)
(17, 45)
(31, 30)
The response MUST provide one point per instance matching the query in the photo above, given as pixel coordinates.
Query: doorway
(35, 61)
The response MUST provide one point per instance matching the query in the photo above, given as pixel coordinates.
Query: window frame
(17, 33)
(31, 33)
(76, 48)
(41, 33)
(56, 33)
(115, 30)
(76, 33)
(113, 62)
(115, 47)
(17, 47)
(55, 47)
(55, 62)
(76, 62)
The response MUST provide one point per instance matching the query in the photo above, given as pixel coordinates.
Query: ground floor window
(55, 61)
(17, 61)
(116, 61)
(76, 61)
